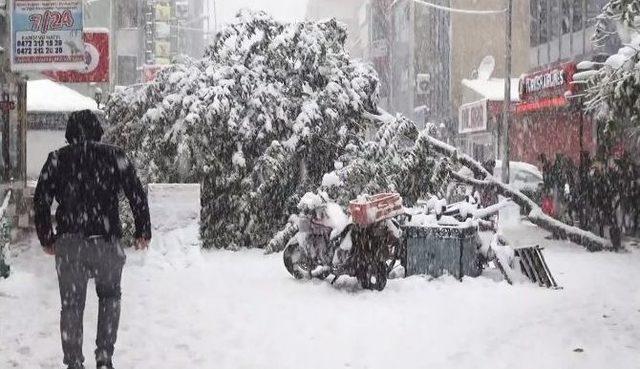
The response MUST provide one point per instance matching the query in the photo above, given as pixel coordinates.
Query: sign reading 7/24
(47, 35)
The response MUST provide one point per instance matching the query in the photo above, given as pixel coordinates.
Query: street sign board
(46, 35)
(473, 117)
(96, 62)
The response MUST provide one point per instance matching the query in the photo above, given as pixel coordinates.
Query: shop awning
(492, 89)
(47, 96)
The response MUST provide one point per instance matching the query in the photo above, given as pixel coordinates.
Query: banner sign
(46, 34)
(552, 82)
(473, 117)
(96, 60)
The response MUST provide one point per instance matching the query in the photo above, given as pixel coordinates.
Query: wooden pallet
(534, 266)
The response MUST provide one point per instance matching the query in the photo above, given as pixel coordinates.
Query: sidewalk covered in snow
(188, 308)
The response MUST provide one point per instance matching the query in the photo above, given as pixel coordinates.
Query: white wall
(39, 144)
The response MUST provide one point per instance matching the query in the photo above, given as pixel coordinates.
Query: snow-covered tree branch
(487, 181)
(613, 91)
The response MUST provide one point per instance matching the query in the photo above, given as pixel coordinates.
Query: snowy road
(187, 309)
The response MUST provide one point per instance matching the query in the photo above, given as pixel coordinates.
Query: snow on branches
(257, 121)
(613, 90)
(624, 12)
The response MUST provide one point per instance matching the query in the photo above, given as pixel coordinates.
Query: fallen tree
(488, 182)
(413, 163)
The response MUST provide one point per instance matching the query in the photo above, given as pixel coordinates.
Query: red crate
(376, 208)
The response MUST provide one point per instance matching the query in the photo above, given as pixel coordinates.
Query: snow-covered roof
(493, 88)
(44, 95)
(521, 166)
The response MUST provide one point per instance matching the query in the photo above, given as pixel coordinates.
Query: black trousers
(79, 258)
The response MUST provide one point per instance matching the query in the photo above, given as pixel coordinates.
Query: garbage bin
(434, 250)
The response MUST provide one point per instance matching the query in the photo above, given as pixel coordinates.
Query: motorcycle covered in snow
(328, 242)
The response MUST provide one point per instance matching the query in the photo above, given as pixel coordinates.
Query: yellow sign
(163, 12)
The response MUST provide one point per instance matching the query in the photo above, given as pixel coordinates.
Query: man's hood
(83, 126)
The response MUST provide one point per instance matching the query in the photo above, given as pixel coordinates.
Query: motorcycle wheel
(298, 266)
(373, 276)
(292, 258)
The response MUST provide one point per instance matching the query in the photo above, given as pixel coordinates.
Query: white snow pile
(431, 220)
(331, 179)
(321, 208)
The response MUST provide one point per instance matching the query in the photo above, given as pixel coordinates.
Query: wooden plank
(527, 253)
(546, 267)
(524, 265)
(501, 268)
(539, 267)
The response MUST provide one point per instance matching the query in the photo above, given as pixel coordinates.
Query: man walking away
(85, 178)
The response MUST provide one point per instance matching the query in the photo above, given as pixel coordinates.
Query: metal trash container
(434, 250)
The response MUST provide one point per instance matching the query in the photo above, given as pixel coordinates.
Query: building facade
(149, 33)
(477, 36)
(375, 33)
(550, 118)
(421, 62)
(478, 72)
(562, 30)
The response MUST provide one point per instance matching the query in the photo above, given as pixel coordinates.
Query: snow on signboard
(46, 34)
(40, 92)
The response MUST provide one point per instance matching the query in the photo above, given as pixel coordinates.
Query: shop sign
(472, 117)
(547, 103)
(552, 82)
(96, 60)
(46, 34)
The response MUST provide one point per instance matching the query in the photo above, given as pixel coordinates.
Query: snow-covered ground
(183, 308)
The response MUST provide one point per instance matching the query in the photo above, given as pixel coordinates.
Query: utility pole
(113, 44)
(507, 96)
(215, 18)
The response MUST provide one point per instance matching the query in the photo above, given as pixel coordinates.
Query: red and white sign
(472, 117)
(548, 83)
(551, 102)
(96, 55)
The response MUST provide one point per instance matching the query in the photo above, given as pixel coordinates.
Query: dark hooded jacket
(85, 178)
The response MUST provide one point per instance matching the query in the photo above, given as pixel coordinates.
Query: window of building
(127, 12)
